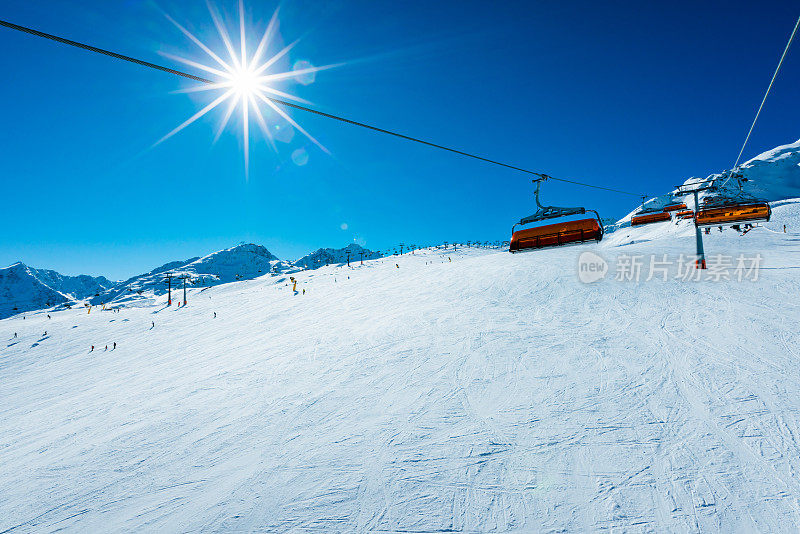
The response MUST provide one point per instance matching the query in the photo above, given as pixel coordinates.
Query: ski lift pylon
(555, 234)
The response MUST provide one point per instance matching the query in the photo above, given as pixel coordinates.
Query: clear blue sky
(630, 95)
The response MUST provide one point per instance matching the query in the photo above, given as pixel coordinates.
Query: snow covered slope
(775, 174)
(24, 288)
(772, 175)
(332, 256)
(468, 391)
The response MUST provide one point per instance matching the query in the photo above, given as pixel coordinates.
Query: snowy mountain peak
(241, 262)
(252, 248)
(236, 263)
(239, 252)
(24, 288)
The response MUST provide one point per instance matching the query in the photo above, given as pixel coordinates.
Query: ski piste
(435, 391)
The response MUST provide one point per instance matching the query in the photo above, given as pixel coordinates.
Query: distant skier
(45, 334)
(92, 349)
(215, 315)
(115, 346)
(304, 291)
(153, 325)
(396, 265)
(105, 349)
(48, 316)
(15, 334)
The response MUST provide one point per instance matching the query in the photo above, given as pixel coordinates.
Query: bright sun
(245, 81)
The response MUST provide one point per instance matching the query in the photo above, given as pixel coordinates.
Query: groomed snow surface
(463, 391)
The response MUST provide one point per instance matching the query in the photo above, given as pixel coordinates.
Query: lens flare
(245, 81)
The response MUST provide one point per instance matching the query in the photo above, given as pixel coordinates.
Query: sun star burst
(245, 81)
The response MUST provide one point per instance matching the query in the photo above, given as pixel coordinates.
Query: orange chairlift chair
(649, 216)
(555, 234)
(727, 209)
(675, 207)
(727, 212)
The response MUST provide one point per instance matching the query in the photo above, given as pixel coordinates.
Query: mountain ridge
(24, 288)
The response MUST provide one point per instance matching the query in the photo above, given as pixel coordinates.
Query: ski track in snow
(491, 393)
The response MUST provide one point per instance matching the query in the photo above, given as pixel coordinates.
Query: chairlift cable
(775, 75)
(123, 57)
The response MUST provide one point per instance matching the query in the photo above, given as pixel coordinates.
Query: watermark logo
(643, 268)
(591, 267)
